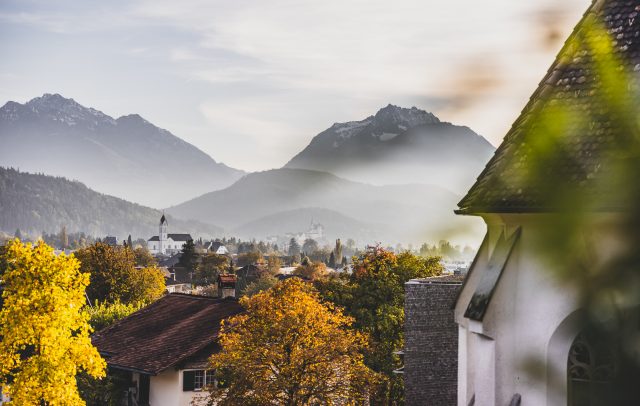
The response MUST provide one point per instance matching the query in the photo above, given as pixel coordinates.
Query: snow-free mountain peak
(129, 157)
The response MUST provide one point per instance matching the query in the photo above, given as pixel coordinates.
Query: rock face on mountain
(127, 157)
(398, 145)
(36, 203)
(408, 213)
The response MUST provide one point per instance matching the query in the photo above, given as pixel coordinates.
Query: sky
(250, 82)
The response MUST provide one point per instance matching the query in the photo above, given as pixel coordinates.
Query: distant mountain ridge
(127, 157)
(281, 198)
(398, 145)
(35, 203)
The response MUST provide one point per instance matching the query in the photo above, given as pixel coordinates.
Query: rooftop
(573, 82)
(164, 334)
(441, 279)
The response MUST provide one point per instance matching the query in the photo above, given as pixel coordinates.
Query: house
(216, 247)
(164, 347)
(111, 240)
(165, 243)
(512, 310)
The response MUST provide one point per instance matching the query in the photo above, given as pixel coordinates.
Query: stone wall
(431, 341)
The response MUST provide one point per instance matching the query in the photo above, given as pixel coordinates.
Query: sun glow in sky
(250, 82)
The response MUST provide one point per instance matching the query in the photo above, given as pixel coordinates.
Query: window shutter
(188, 380)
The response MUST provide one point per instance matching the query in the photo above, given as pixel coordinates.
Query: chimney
(227, 285)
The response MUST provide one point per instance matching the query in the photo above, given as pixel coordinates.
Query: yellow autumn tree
(44, 335)
(289, 348)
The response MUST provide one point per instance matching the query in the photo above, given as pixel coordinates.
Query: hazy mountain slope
(36, 203)
(407, 213)
(128, 157)
(398, 145)
(336, 225)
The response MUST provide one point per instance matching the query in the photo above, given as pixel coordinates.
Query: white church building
(512, 309)
(165, 243)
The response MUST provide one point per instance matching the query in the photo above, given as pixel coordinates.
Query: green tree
(249, 258)
(18, 234)
(143, 257)
(263, 283)
(294, 248)
(64, 238)
(289, 348)
(188, 256)
(209, 268)
(102, 315)
(45, 335)
(337, 251)
(332, 260)
(114, 276)
(309, 245)
(274, 263)
(374, 295)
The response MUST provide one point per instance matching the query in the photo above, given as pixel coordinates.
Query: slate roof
(174, 237)
(445, 279)
(180, 237)
(164, 334)
(503, 186)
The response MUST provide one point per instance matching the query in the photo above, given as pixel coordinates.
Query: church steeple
(162, 235)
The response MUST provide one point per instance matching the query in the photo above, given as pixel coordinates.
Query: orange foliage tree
(289, 348)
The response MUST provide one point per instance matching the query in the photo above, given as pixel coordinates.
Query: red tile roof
(165, 333)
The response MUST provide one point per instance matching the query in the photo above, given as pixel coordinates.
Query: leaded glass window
(591, 371)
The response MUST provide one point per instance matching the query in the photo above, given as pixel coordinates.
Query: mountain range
(35, 203)
(126, 157)
(398, 145)
(392, 177)
(388, 214)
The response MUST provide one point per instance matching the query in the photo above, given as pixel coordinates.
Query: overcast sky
(250, 82)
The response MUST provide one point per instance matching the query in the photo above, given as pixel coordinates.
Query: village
(544, 312)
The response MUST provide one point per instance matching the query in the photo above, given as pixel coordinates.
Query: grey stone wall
(431, 341)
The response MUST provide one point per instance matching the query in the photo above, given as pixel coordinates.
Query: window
(209, 378)
(591, 369)
(197, 380)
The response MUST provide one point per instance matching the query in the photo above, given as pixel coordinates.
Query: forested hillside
(35, 203)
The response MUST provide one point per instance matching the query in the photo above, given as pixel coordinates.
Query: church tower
(162, 235)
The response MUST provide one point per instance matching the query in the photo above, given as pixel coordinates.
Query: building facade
(163, 349)
(522, 337)
(165, 243)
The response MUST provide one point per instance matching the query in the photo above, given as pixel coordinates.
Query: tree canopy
(114, 276)
(45, 335)
(209, 268)
(289, 348)
(373, 294)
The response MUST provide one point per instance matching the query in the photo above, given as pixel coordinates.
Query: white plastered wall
(530, 319)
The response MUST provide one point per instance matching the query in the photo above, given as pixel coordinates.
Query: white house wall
(528, 318)
(166, 390)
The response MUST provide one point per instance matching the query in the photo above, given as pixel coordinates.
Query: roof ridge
(529, 107)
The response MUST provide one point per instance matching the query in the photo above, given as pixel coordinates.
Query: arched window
(591, 371)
